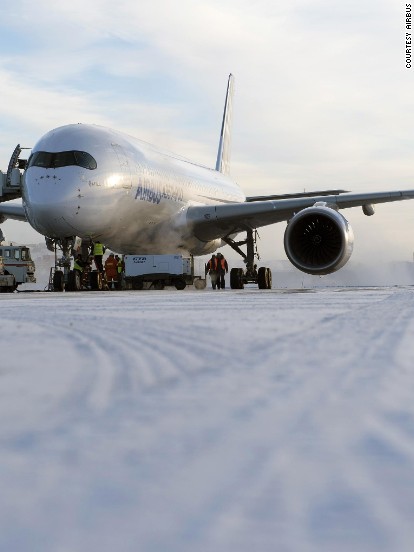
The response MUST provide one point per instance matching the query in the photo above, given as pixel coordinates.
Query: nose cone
(53, 201)
(56, 180)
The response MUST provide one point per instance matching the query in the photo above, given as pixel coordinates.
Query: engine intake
(318, 240)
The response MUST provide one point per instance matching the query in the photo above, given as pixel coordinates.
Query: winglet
(223, 154)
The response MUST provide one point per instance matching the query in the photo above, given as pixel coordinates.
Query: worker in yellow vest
(98, 251)
(78, 264)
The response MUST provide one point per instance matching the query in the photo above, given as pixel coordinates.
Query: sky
(323, 96)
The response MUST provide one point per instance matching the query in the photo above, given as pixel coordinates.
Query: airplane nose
(53, 209)
(50, 220)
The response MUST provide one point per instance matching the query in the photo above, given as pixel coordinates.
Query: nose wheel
(58, 281)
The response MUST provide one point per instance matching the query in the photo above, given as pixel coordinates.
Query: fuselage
(96, 183)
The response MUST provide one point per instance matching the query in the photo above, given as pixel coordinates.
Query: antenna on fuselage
(223, 154)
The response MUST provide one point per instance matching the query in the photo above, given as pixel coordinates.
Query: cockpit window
(49, 160)
(84, 159)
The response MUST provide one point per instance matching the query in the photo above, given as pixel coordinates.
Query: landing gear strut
(59, 274)
(250, 275)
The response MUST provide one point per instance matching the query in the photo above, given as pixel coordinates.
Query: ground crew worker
(222, 269)
(98, 251)
(211, 269)
(79, 267)
(111, 269)
(79, 264)
(120, 268)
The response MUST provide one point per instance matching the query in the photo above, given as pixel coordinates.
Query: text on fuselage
(154, 193)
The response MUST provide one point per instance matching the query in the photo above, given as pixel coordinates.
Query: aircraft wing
(12, 211)
(217, 221)
(292, 196)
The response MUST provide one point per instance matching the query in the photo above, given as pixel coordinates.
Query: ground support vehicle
(16, 267)
(7, 281)
(158, 271)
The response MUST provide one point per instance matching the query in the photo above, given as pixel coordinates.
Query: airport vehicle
(7, 281)
(158, 271)
(95, 183)
(16, 267)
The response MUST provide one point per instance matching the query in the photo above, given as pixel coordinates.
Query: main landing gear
(250, 275)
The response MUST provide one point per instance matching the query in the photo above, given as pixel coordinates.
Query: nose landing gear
(61, 276)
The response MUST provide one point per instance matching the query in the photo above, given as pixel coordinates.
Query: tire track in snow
(333, 398)
(283, 442)
(112, 360)
(263, 475)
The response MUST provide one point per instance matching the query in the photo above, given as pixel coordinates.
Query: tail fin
(223, 154)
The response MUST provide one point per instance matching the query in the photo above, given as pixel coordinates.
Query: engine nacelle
(318, 240)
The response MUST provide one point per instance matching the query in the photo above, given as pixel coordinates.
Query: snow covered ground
(178, 421)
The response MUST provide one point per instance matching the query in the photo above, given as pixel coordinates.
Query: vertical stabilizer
(223, 155)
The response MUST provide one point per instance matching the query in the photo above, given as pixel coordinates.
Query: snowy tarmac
(178, 421)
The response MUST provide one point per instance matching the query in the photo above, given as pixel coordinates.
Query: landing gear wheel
(70, 283)
(96, 281)
(74, 281)
(269, 278)
(58, 281)
(236, 278)
(264, 278)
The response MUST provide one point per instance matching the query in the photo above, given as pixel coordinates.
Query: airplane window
(49, 160)
(85, 160)
(41, 159)
(64, 159)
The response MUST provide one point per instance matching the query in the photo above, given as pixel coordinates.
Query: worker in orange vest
(111, 269)
(222, 269)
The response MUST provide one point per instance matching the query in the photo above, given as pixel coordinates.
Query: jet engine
(318, 240)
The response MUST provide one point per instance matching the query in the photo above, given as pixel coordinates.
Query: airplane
(90, 182)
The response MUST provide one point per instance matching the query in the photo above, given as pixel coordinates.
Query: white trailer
(158, 271)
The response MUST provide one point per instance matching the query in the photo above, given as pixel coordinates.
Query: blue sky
(323, 97)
